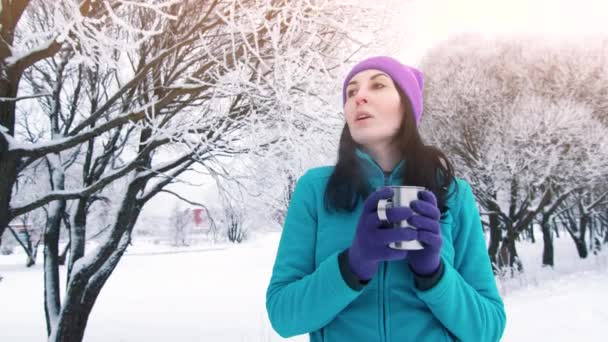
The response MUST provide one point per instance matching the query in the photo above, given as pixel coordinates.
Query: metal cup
(402, 196)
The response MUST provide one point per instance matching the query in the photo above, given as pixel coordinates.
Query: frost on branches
(524, 120)
(110, 101)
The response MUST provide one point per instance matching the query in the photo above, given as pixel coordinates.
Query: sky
(431, 21)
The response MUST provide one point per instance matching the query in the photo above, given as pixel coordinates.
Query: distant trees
(526, 122)
(179, 222)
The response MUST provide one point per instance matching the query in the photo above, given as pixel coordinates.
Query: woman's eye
(350, 92)
(378, 85)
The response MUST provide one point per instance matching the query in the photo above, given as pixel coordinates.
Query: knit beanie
(409, 79)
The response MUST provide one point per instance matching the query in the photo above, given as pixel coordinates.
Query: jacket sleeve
(466, 299)
(301, 298)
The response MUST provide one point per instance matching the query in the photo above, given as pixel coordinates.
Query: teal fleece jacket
(309, 293)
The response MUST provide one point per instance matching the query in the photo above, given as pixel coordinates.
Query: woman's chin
(368, 139)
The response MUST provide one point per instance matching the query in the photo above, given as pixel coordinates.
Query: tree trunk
(548, 251)
(515, 262)
(581, 248)
(603, 228)
(532, 237)
(508, 257)
(61, 258)
(77, 233)
(495, 237)
(579, 241)
(32, 251)
(30, 262)
(9, 86)
(26, 243)
(73, 324)
(595, 236)
(8, 163)
(555, 227)
(51, 266)
(32, 257)
(84, 286)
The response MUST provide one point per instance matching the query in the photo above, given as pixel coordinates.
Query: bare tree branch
(28, 97)
(197, 204)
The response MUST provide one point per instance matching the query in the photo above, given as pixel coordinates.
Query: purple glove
(370, 244)
(426, 261)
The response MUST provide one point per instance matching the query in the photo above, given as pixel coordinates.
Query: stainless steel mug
(402, 196)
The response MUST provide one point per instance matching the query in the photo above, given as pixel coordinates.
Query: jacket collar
(374, 171)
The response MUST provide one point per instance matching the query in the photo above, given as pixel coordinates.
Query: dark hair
(426, 166)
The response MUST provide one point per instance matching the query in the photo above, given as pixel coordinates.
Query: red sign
(198, 216)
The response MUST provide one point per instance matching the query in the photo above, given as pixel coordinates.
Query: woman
(335, 276)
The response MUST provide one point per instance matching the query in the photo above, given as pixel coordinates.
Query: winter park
(160, 163)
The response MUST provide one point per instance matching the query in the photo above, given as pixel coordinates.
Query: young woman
(336, 278)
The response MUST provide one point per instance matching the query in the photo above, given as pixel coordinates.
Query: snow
(12, 143)
(217, 293)
(573, 306)
(31, 147)
(16, 57)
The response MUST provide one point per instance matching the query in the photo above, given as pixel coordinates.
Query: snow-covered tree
(180, 222)
(581, 216)
(125, 96)
(522, 120)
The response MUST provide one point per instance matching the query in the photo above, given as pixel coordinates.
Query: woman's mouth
(362, 117)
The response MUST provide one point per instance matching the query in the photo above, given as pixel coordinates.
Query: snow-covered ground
(218, 294)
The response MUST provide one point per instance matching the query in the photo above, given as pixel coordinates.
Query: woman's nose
(360, 98)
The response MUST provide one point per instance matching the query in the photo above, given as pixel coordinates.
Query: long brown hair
(426, 166)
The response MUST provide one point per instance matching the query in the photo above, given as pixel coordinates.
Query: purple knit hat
(409, 79)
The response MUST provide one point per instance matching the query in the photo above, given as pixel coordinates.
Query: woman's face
(373, 108)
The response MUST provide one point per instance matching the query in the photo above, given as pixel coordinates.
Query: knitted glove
(370, 244)
(426, 261)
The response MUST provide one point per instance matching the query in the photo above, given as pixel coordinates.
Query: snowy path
(218, 295)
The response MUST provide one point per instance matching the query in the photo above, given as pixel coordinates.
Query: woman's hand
(371, 241)
(426, 261)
